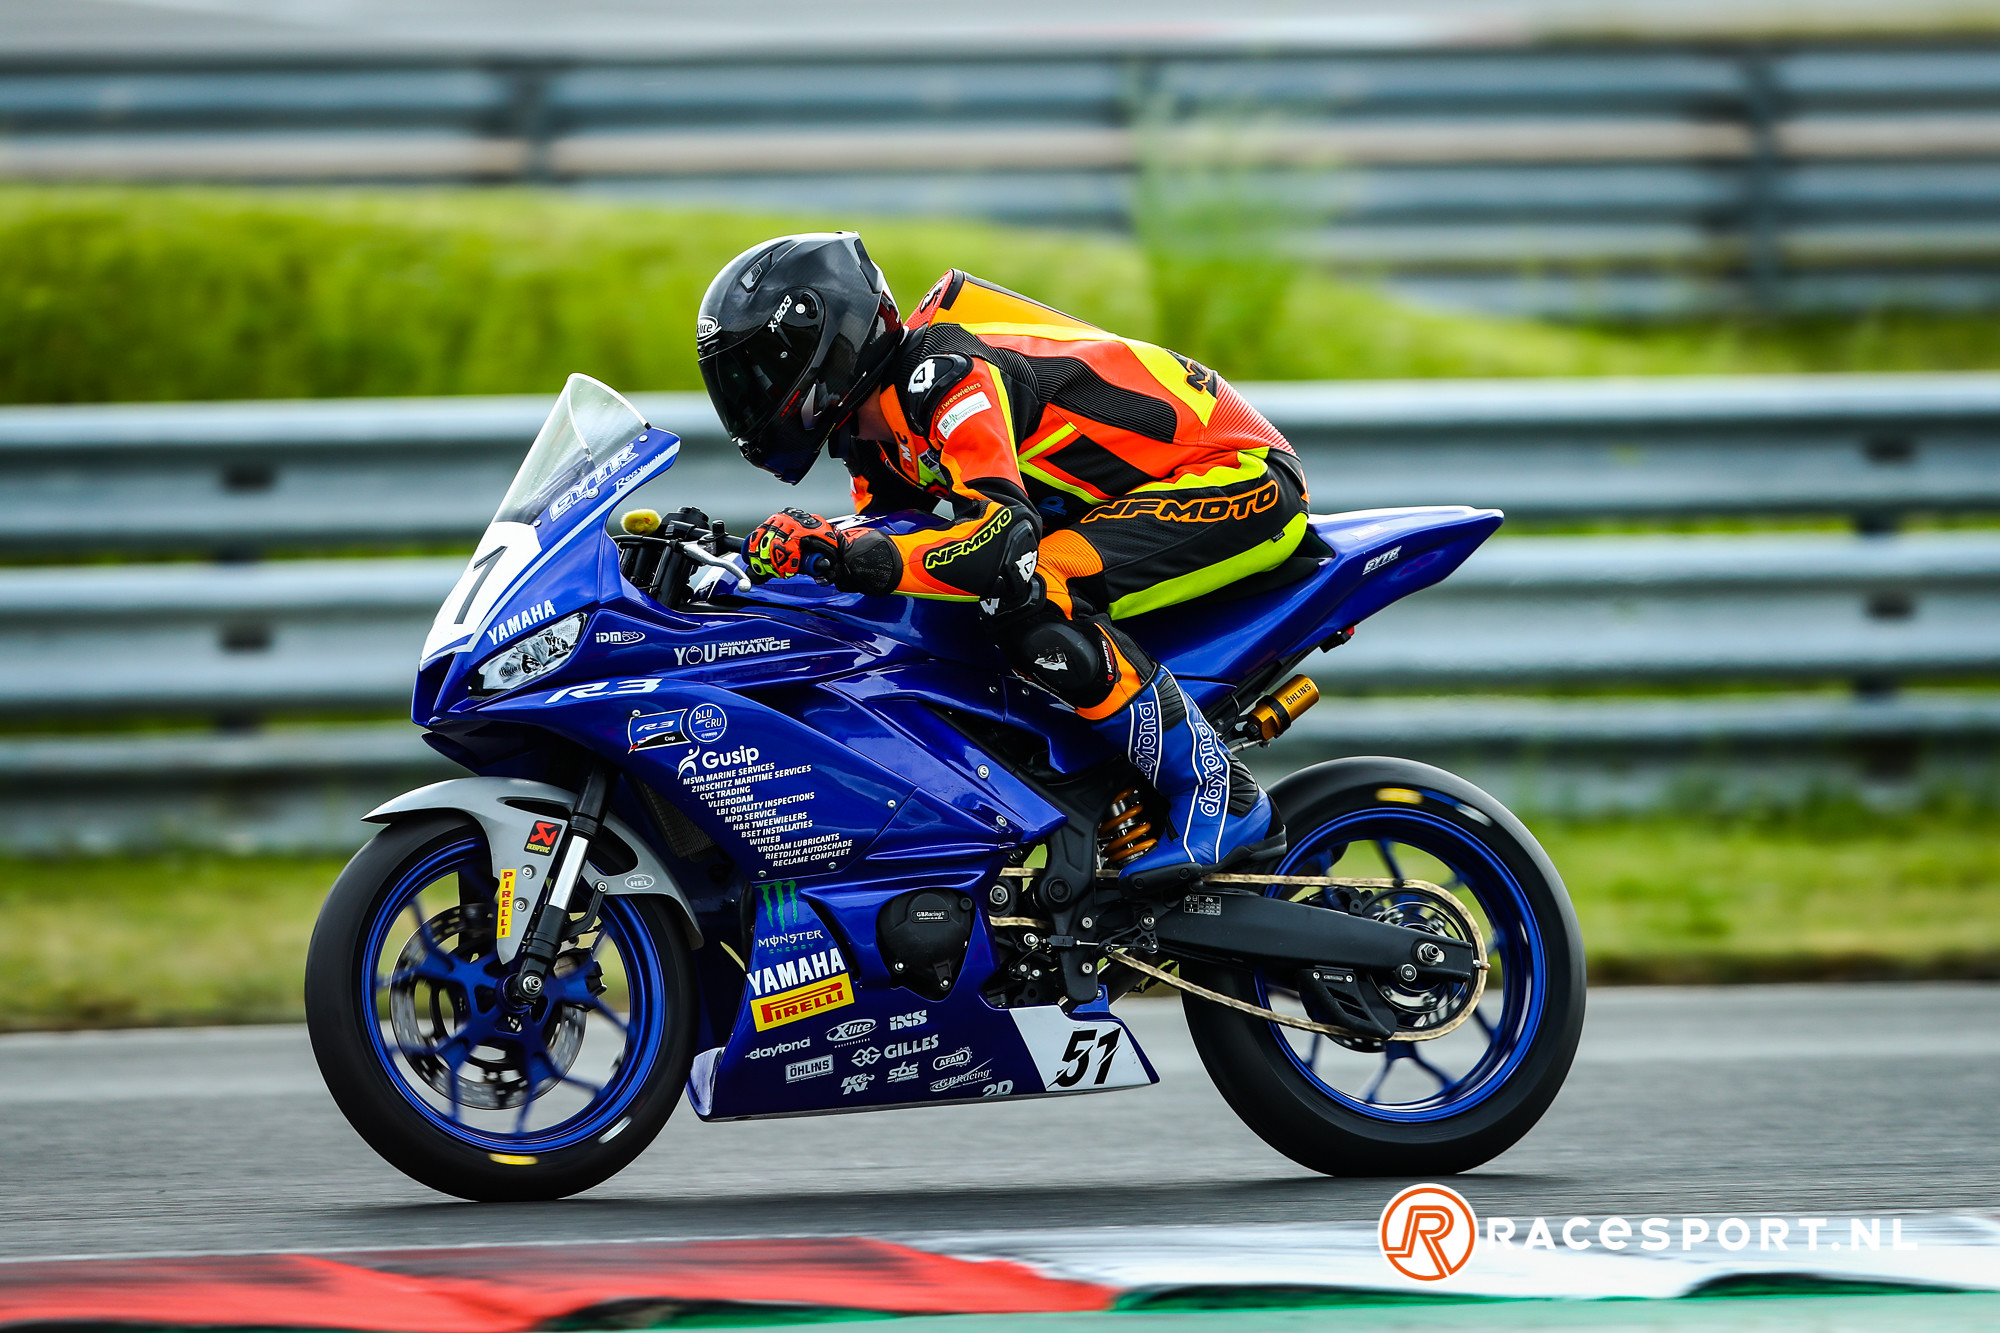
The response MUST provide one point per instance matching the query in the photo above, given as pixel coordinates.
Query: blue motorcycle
(802, 852)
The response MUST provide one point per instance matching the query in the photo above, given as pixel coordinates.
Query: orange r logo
(1427, 1232)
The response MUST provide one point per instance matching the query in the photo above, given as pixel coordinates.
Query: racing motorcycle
(798, 852)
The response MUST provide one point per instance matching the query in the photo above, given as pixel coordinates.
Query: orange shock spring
(1125, 832)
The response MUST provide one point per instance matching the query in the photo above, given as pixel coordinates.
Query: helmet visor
(753, 377)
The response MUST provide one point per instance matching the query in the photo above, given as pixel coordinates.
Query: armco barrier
(1628, 177)
(244, 477)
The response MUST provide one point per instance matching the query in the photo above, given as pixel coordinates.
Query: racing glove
(793, 542)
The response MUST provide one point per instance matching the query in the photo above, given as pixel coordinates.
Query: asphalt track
(1752, 1100)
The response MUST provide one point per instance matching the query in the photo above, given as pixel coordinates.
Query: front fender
(496, 803)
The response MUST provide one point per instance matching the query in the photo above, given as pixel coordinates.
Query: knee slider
(1065, 659)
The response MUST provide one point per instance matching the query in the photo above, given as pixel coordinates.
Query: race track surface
(1752, 1100)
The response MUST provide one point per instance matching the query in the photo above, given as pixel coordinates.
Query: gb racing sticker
(799, 988)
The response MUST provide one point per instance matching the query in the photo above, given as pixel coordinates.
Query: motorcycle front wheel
(1480, 1063)
(467, 1094)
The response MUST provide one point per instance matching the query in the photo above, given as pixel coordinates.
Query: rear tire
(1536, 1000)
(383, 1092)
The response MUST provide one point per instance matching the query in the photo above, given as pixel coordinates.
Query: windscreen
(585, 441)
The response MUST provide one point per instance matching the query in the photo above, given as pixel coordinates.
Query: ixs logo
(916, 1018)
(1376, 562)
(700, 654)
(1427, 1232)
(799, 988)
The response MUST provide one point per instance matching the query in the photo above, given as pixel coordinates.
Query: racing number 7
(1076, 1056)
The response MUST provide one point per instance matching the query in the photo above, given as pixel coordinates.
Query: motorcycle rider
(1089, 478)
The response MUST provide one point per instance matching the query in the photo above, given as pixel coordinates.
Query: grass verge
(112, 294)
(209, 939)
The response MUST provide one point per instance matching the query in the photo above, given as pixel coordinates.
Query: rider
(1089, 478)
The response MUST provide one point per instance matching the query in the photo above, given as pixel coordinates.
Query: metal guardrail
(1632, 176)
(239, 478)
(295, 635)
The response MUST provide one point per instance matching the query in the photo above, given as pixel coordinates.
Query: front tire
(1407, 1108)
(402, 987)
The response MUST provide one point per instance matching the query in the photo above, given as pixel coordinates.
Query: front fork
(550, 921)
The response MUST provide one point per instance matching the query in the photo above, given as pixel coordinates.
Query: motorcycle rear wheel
(402, 1004)
(1407, 1108)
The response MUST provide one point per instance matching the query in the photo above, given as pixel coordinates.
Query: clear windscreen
(583, 438)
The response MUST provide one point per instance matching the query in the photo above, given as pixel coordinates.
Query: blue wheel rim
(1509, 1014)
(606, 1104)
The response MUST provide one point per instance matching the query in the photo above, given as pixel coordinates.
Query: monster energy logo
(780, 901)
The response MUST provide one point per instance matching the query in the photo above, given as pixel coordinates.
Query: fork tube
(544, 938)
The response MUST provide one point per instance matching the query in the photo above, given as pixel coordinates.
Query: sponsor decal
(1145, 744)
(1427, 1232)
(956, 414)
(543, 837)
(592, 482)
(596, 689)
(706, 327)
(780, 900)
(854, 1083)
(796, 988)
(854, 1029)
(1212, 510)
(501, 630)
(1000, 1089)
(620, 636)
(1212, 761)
(1376, 562)
(706, 723)
(916, 1018)
(903, 1073)
(940, 556)
(649, 731)
(866, 1055)
(782, 1048)
(1026, 564)
(503, 926)
(812, 1068)
(896, 1050)
(961, 1056)
(687, 767)
(639, 881)
(699, 654)
(1199, 377)
(1052, 662)
(742, 754)
(979, 1075)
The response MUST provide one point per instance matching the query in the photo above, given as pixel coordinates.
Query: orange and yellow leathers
(1127, 477)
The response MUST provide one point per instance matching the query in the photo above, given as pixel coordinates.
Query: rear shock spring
(1125, 833)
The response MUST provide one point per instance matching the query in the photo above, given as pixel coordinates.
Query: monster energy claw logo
(780, 901)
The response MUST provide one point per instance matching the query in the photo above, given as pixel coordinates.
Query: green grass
(209, 939)
(113, 294)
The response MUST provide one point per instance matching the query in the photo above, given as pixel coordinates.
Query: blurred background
(1705, 295)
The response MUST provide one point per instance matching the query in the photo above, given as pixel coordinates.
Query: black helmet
(792, 335)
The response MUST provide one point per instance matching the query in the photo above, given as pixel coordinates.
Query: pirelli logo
(1212, 510)
(789, 1006)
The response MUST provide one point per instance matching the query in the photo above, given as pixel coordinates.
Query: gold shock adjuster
(1276, 711)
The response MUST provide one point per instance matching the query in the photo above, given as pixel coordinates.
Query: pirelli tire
(378, 1088)
(1290, 1104)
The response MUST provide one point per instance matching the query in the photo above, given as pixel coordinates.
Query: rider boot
(1220, 817)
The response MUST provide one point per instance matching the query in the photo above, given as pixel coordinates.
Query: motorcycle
(802, 852)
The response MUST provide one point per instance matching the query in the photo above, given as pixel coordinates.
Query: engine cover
(922, 936)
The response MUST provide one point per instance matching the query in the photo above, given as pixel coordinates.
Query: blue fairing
(819, 753)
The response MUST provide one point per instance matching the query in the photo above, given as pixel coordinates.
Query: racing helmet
(791, 336)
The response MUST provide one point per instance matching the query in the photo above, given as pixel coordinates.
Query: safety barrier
(1619, 177)
(238, 478)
